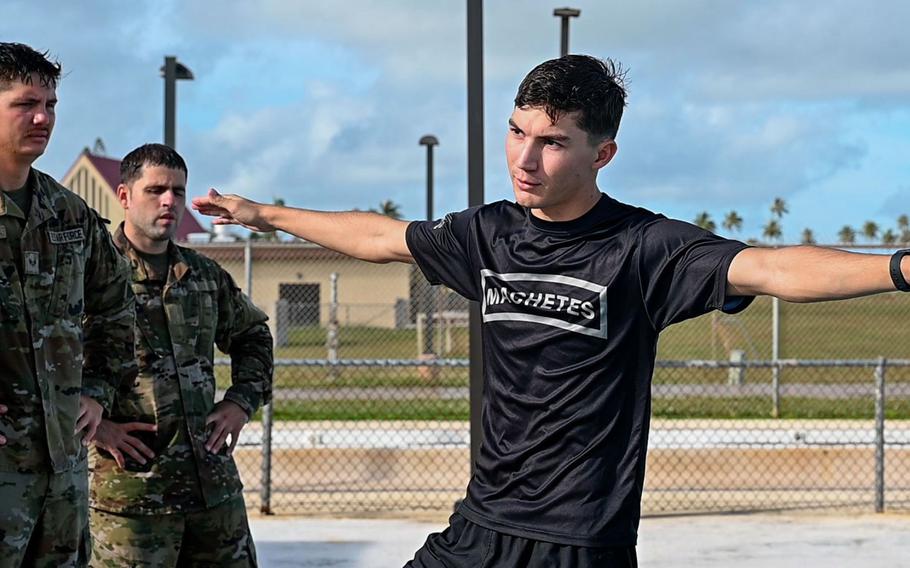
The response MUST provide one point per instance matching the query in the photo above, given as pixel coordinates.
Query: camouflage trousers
(44, 519)
(216, 537)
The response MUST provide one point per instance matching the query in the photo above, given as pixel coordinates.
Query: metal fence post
(331, 338)
(248, 266)
(265, 491)
(775, 355)
(880, 436)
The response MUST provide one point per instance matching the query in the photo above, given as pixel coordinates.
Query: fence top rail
(363, 362)
(770, 363)
(661, 364)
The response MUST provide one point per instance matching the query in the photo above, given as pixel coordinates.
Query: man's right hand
(115, 438)
(2, 438)
(232, 210)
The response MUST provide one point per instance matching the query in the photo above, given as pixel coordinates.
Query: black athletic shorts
(467, 545)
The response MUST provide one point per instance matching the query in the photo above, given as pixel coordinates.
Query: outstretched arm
(810, 274)
(363, 235)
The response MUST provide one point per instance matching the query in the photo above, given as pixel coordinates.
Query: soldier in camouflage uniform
(165, 490)
(66, 329)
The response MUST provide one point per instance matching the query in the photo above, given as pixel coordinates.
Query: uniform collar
(179, 267)
(44, 203)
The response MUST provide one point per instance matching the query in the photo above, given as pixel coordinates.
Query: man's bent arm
(810, 274)
(243, 334)
(363, 235)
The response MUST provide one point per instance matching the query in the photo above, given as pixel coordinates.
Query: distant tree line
(772, 231)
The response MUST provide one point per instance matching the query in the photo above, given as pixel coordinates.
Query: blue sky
(323, 104)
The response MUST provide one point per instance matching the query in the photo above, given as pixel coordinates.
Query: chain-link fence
(371, 407)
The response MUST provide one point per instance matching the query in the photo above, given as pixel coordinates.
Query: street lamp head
(567, 12)
(181, 71)
(429, 140)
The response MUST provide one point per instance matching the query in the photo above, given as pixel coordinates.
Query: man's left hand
(90, 413)
(226, 418)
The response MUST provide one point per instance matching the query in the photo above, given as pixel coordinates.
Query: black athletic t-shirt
(571, 315)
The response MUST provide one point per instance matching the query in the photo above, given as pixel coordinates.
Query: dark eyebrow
(166, 187)
(554, 137)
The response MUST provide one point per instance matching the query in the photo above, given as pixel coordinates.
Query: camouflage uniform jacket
(66, 325)
(180, 317)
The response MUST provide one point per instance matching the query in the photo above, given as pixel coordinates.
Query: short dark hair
(594, 87)
(18, 62)
(149, 155)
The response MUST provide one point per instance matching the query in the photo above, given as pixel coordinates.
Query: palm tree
(772, 231)
(889, 237)
(732, 221)
(808, 237)
(870, 230)
(847, 235)
(903, 225)
(779, 208)
(388, 208)
(704, 221)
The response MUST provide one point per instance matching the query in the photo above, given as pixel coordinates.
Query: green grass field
(855, 329)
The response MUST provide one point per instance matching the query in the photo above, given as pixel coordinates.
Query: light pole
(429, 141)
(565, 14)
(172, 71)
(475, 197)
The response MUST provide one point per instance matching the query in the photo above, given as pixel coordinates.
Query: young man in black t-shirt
(575, 288)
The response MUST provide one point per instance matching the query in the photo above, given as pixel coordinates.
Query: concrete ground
(741, 541)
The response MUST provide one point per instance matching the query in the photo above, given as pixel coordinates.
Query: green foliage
(847, 235)
(870, 230)
(772, 230)
(732, 221)
(388, 208)
(704, 221)
(779, 208)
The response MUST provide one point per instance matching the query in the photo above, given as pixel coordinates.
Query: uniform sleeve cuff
(242, 402)
(101, 391)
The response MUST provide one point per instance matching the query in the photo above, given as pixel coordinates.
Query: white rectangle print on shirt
(564, 302)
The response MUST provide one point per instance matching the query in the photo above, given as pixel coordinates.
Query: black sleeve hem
(417, 253)
(726, 303)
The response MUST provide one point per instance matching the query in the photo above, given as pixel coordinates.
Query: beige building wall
(367, 292)
(86, 181)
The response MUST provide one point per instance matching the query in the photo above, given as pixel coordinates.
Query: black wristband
(897, 276)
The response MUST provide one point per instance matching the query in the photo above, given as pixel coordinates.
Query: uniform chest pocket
(68, 281)
(204, 294)
(194, 309)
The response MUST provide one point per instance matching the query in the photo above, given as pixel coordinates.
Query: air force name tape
(63, 237)
(559, 301)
